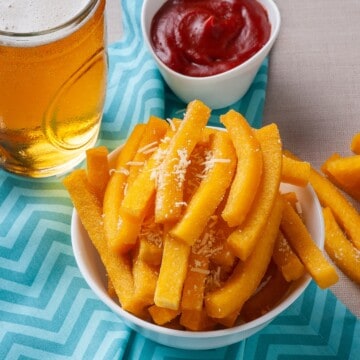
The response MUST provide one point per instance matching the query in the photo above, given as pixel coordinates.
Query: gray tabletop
(314, 85)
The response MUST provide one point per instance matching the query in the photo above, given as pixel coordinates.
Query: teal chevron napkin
(47, 311)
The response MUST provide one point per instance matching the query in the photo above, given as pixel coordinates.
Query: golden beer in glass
(53, 69)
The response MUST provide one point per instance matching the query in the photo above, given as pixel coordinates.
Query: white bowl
(93, 271)
(232, 84)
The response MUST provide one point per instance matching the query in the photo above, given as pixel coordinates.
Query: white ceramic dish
(233, 84)
(94, 273)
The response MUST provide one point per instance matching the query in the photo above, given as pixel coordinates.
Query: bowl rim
(294, 292)
(267, 4)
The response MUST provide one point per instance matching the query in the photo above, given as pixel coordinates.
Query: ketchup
(207, 37)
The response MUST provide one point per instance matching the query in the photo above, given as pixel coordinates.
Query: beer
(53, 69)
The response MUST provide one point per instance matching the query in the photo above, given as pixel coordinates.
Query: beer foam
(29, 16)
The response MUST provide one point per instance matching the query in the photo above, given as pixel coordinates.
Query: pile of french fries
(190, 223)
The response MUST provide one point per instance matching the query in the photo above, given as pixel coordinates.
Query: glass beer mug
(53, 70)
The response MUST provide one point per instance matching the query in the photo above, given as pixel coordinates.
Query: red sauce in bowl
(207, 37)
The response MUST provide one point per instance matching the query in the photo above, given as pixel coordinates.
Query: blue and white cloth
(47, 310)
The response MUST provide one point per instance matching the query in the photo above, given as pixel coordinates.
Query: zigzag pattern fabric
(47, 311)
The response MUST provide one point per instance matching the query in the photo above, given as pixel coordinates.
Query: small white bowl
(217, 91)
(94, 273)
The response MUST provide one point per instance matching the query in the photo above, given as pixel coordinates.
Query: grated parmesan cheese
(149, 151)
(121, 170)
(126, 188)
(200, 271)
(209, 163)
(165, 139)
(213, 280)
(147, 146)
(205, 244)
(181, 166)
(135, 163)
(298, 207)
(180, 203)
(152, 232)
(119, 223)
(158, 157)
(171, 123)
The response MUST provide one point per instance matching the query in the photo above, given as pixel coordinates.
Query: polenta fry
(145, 277)
(243, 240)
(194, 284)
(249, 168)
(311, 256)
(142, 190)
(171, 176)
(98, 169)
(114, 192)
(140, 195)
(340, 249)
(329, 196)
(172, 274)
(154, 131)
(247, 275)
(89, 210)
(296, 172)
(348, 180)
(267, 297)
(210, 192)
(346, 170)
(161, 316)
(344, 212)
(286, 260)
(196, 320)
